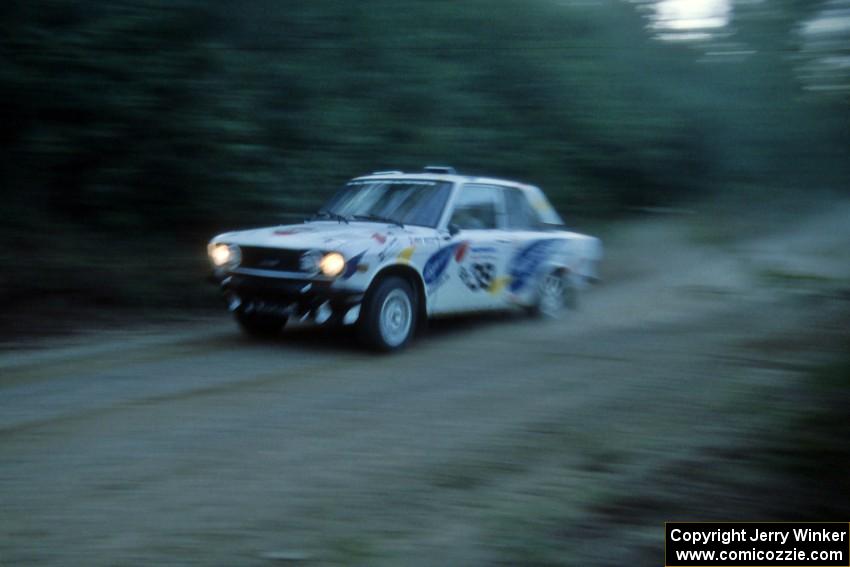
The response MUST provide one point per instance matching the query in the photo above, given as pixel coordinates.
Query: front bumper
(301, 298)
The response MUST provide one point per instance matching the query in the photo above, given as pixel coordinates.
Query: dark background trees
(134, 130)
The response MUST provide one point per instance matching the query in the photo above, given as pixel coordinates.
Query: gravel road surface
(189, 444)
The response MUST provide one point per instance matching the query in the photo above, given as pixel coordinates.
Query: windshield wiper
(378, 218)
(331, 215)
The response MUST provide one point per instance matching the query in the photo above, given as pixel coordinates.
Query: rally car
(392, 249)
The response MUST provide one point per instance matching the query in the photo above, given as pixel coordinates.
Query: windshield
(405, 201)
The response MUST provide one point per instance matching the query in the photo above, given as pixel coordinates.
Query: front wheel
(388, 318)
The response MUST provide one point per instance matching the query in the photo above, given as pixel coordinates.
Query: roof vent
(444, 169)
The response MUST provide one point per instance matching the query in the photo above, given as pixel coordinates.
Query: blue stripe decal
(351, 266)
(528, 260)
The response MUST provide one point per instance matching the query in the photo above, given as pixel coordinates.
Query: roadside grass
(797, 279)
(796, 469)
(519, 455)
(76, 288)
(808, 285)
(815, 449)
(350, 551)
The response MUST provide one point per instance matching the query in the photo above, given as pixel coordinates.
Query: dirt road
(191, 445)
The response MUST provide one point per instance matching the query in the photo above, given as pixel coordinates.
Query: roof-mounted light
(443, 169)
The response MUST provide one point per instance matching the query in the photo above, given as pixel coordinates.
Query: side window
(521, 215)
(477, 207)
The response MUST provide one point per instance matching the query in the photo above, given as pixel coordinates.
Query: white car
(392, 249)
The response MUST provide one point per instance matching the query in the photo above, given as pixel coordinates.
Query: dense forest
(135, 129)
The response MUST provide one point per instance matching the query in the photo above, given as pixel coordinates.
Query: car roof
(451, 178)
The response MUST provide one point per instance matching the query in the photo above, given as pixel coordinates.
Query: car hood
(320, 235)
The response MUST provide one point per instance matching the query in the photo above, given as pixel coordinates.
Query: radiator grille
(275, 259)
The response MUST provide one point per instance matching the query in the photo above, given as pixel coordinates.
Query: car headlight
(332, 264)
(224, 255)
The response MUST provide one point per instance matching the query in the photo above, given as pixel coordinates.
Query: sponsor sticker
(435, 267)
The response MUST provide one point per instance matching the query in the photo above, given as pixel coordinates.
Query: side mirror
(453, 229)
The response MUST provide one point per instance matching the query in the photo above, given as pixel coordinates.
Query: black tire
(568, 297)
(376, 333)
(260, 325)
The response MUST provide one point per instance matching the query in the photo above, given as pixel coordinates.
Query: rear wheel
(260, 325)
(388, 319)
(554, 295)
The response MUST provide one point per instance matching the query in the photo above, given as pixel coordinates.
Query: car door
(476, 254)
(534, 248)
